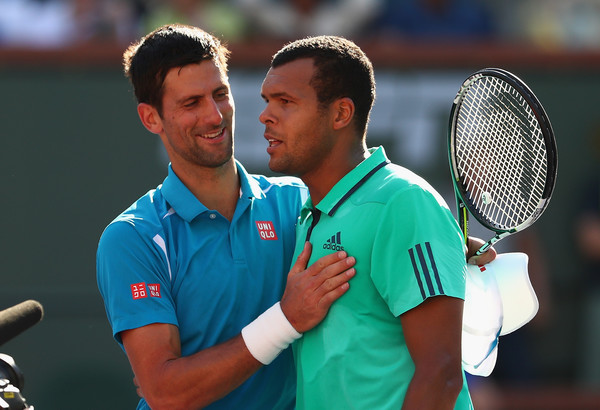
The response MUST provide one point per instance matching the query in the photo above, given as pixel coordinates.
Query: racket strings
(501, 153)
(511, 163)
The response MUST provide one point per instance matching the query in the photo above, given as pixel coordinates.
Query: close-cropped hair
(342, 70)
(147, 62)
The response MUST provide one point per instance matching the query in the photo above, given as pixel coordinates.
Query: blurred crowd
(544, 23)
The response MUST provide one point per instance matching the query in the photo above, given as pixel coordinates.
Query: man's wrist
(269, 334)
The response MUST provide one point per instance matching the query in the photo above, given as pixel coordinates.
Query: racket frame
(464, 205)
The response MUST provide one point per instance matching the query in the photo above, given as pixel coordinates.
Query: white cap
(499, 299)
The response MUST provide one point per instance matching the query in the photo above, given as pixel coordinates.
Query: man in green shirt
(394, 339)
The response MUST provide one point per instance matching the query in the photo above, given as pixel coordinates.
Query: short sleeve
(418, 251)
(133, 278)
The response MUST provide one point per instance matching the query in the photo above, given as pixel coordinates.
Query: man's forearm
(432, 393)
(167, 381)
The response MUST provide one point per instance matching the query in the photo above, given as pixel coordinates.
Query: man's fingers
(484, 258)
(336, 273)
(328, 298)
(332, 282)
(302, 259)
(309, 293)
(332, 288)
(473, 246)
(340, 280)
(331, 264)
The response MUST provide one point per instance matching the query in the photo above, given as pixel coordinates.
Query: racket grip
(483, 249)
(463, 221)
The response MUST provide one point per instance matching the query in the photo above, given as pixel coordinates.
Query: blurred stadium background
(74, 155)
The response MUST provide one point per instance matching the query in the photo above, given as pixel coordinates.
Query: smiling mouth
(213, 135)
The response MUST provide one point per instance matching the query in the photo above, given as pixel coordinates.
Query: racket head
(502, 151)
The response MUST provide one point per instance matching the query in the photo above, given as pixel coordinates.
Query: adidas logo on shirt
(334, 243)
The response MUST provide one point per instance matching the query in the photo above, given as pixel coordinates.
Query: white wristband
(269, 334)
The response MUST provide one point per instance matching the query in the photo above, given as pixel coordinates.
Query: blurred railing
(383, 53)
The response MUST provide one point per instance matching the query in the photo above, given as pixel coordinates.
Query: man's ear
(343, 113)
(150, 118)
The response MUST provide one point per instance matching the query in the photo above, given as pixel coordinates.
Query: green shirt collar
(353, 180)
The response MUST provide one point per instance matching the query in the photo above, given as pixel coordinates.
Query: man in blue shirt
(193, 273)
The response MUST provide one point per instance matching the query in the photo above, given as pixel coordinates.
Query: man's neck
(217, 188)
(320, 181)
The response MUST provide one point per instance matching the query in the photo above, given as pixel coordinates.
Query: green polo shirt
(408, 247)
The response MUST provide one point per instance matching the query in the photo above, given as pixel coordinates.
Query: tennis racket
(502, 153)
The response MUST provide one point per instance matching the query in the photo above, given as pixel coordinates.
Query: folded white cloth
(499, 299)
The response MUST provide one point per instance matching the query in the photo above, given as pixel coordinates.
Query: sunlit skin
(304, 140)
(196, 126)
(197, 116)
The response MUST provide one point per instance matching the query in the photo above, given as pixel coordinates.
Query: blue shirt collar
(187, 206)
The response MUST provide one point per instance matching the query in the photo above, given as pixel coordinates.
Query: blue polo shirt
(169, 259)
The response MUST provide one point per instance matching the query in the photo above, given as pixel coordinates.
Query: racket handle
(463, 220)
(483, 249)
(492, 241)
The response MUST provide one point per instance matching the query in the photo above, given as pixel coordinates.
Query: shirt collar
(249, 187)
(353, 180)
(186, 205)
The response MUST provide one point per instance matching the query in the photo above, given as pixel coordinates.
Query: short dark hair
(147, 62)
(342, 70)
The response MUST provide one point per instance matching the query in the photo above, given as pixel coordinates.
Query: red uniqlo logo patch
(154, 289)
(138, 291)
(266, 230)
(482, 268)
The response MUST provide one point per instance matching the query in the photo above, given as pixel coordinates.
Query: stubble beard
(282, 166)
(208, 159)
(211, 160)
